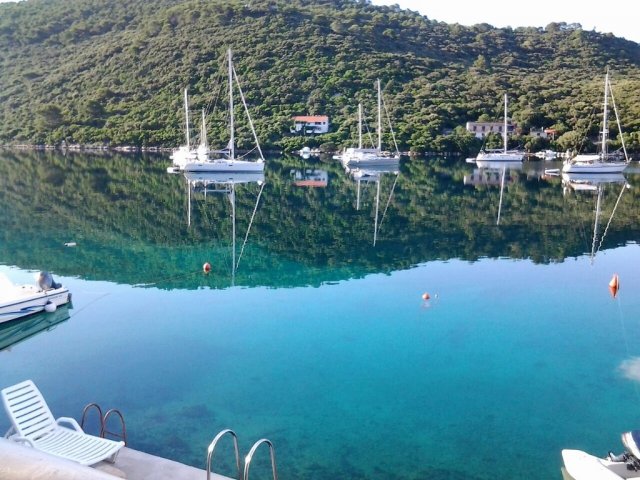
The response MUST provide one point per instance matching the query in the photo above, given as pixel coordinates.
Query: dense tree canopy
(93, 72)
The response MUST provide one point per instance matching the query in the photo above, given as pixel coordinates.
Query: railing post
(212, 447)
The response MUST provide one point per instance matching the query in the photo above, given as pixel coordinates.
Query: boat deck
(23, 463)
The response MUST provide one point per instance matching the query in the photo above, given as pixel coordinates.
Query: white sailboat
(230, 163)
(357, 156)
(501, 155)
(184, 153)
(595, 163)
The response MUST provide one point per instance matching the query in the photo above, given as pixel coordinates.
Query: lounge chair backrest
(29, 413)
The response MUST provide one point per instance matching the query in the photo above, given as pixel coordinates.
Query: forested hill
(90, 71)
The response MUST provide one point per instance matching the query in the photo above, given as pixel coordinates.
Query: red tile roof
(311, 118)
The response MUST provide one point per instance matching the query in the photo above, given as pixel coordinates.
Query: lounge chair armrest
(70, 421)
(19, 439)
(10, 432)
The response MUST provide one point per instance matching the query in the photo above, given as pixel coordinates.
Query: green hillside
(94, 72)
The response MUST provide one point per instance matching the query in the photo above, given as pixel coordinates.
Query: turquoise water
(348, 371)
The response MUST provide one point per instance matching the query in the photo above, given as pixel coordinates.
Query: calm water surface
(320, 340)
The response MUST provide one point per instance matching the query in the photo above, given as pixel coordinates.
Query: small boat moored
(579, 465)
(17, 301)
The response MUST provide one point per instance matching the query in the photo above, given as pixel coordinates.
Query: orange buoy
(206, 268)
(614, 285)
(426, 296)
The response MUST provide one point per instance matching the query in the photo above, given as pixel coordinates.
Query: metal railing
(212, 447)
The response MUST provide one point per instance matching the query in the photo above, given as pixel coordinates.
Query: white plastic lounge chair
(34, 425)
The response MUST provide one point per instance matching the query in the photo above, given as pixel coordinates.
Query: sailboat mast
(232, 197)
(379, 118)
(360, 126)
(595, 223)
(605, 129)
(375, 223)
(504, 132)
(504, 173)
(231, 128)
(203, 131)
(186, 116)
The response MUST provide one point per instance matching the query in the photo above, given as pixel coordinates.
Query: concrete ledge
(18, 462)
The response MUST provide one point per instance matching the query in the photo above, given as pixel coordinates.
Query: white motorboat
(579, 465)
(547, 155)
(17, 301)
(599, 163)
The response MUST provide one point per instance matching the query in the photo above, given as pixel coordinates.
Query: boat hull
(594, 168)
(27, 300)
(500, 157)
(224, 177)
(224, 165)
(580, 465)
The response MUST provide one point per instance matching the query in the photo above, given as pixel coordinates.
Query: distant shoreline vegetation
(96, 73)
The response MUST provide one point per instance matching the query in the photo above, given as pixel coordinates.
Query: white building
(313, 124)
(482, 129)
(538, 133)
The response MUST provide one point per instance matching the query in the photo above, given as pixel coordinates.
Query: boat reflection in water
(595, 183)
(493, 173)
(12, 333)
(374, 174)
(224, 183)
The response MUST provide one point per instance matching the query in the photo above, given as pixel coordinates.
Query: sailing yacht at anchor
(599, 162)
(359, 156)
(500, 155)
(230, 163)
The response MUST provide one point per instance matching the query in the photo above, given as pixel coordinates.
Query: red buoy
(426, 296)
(206, 268)
(614, 285)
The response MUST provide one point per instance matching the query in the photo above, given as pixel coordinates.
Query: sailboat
(599, 162)
(501, 155)
(184, 153)
(229, 163)
(355, 156)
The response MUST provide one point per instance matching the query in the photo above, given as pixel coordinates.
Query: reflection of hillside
(128, 217)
